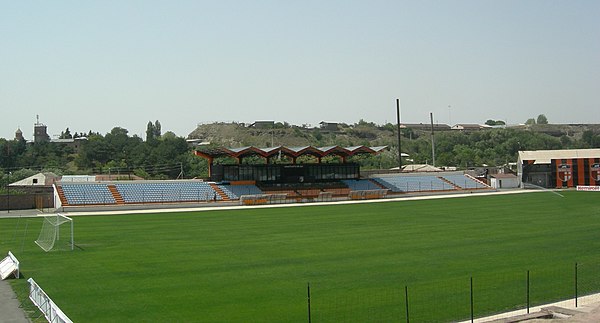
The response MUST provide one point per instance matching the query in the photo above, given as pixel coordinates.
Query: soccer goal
(53, 230)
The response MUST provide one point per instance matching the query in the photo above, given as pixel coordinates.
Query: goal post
(55, 228)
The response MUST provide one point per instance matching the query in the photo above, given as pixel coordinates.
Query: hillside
(240, 135)
(464, 149)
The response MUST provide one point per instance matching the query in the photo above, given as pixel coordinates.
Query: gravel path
(10, 309)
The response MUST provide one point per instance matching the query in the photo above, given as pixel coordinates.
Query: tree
(541, 119)
(66, 134)
(150, 132)
(588, 138)
(491, 122)
(153, 131)
(157, 129)
(530, 121)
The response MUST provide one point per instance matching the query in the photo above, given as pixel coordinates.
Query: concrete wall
(504, 182)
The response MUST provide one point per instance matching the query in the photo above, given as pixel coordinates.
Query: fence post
(406, 302)
(308, 299)
(576, 285)
(528, 292)
(472, 312)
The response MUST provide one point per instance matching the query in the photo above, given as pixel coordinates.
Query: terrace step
(378, 184)
(219, 191)
(450, 183)
(485, 185)
(61, 195)
(115, 193)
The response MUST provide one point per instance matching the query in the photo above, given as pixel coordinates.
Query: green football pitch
(361, 260)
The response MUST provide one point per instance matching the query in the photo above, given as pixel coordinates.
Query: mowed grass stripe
(253, 264)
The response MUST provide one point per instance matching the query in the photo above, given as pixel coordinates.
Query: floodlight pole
(399, 135)
(432, 139)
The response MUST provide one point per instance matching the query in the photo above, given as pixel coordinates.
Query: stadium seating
(419, 183)
(361, 185)
(87, 194)
(464, 182)
(164, 192)
(235, 191)
(136, 192)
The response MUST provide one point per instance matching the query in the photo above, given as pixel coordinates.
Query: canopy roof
(293, 152)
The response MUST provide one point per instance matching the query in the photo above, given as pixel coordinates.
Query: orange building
(559, 168)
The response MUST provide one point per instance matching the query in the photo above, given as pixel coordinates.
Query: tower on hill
(40, 131)
(19, 135)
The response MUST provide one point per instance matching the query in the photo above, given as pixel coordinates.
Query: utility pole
(432, 139)
(399, 135)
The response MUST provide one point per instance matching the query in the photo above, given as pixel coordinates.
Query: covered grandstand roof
(294, 152)
(546, 156)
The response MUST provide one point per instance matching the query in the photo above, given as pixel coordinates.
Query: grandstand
(409, 183)
(234, 192)
(363, 185)
(81, 194)
(137, 192)
(167, 191)
(400, 184)
(87, 194)
(257, 183)
(149, 192)
(463, 181)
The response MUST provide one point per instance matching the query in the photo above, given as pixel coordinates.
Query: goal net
(56, 228)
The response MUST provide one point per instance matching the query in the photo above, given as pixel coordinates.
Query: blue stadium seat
(87, 193)
(361, 185)
(166, 192)
(464, 182)
(235, 191)
(413, 183)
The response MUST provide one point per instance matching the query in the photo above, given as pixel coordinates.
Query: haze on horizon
(101, 64)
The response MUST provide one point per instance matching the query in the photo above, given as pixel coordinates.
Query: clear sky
(94, 65)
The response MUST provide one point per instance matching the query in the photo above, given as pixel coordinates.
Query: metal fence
(460, 299)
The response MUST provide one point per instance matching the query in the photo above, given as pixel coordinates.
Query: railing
(50, 310)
